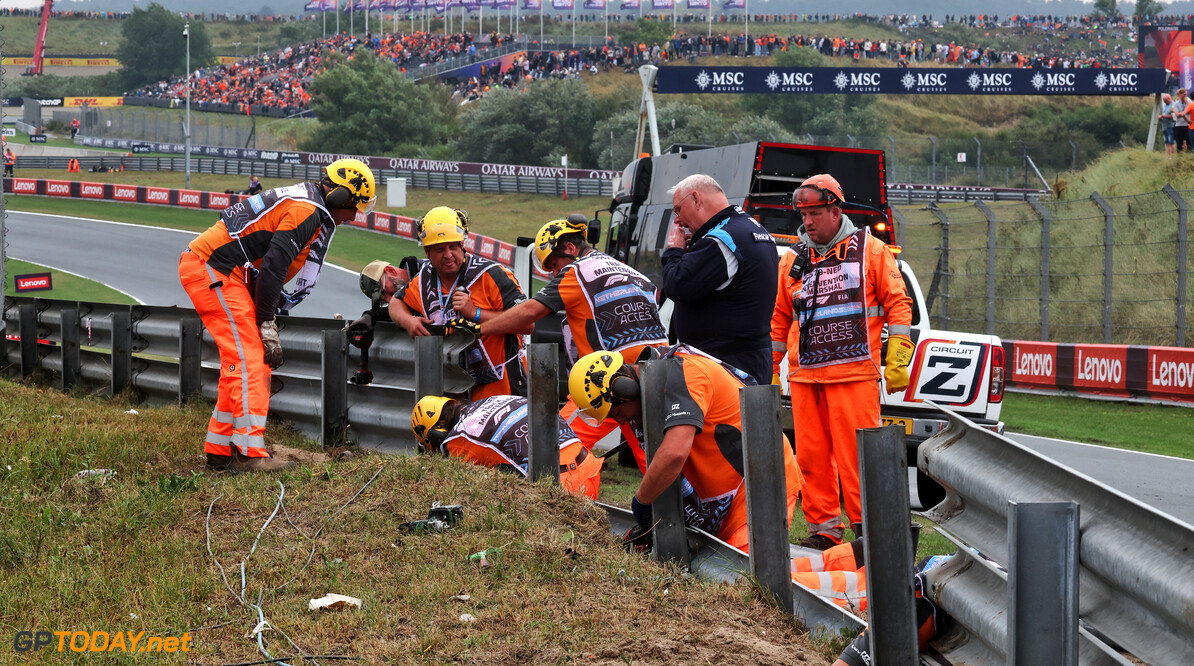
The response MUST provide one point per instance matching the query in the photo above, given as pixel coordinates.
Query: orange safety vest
(72, 166)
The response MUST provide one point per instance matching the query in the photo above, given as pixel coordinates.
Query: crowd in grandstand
(280, 80)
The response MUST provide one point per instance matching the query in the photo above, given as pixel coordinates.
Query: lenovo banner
(907, 81)
(33, 282)
(1120, 371)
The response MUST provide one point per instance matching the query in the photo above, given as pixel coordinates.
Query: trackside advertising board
(1122, 371)
(395, 225)
(33, 282)
(909, 81)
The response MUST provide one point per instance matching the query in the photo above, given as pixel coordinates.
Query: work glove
(638, 538)
(775, 378)
(271, 344)
(899, 354)
(360, 332)
(462, 324)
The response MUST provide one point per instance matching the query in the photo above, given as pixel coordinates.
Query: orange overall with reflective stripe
(242, 401)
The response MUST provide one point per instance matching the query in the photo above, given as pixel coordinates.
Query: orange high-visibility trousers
(583, 479)
(589, 435)
(825, 417)
(735, 530)
(833, 573)
(242, 400)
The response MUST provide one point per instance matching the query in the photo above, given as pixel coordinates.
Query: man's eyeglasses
(676, 208)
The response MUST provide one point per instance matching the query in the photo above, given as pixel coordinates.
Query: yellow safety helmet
(598, 382)
(356, 187)
(441, 225)
(428, 423)
(548, 238)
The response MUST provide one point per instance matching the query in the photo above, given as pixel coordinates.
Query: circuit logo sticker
(948, 371)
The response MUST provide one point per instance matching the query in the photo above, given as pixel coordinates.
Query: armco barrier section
(161, 364)
(1157, 374)
(395, 225)
(1134, 562)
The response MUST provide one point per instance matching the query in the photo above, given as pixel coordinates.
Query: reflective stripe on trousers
(242, 400)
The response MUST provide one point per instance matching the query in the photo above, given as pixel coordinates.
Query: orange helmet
(819, 190)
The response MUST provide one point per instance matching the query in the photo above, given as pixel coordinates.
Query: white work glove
(271, 344)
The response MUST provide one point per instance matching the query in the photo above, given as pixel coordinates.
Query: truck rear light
(996, 374)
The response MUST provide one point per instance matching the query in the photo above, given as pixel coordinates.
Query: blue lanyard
(439, 292)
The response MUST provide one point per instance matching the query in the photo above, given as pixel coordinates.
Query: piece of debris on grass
(97, 475)
(333, 602)
(466, 618)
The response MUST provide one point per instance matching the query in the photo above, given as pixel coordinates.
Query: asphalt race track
(1162, 482)
(142, 261)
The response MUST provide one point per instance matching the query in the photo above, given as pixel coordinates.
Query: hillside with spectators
(280, 79)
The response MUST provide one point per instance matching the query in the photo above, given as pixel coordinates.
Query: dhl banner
(66, 62)
(228, 60)
(92, 101)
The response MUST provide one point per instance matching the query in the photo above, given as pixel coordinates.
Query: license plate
(906, 423)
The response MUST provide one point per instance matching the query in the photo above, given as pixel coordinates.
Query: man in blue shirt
(721, 270)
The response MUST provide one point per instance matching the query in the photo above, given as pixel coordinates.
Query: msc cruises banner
(910, 81)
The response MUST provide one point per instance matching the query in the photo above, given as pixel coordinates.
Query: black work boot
(218, 462)
(818, 542)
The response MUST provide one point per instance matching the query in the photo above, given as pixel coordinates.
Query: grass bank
(131, 554)
(66, 285)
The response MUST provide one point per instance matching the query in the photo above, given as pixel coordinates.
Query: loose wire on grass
(279, 660)
(325, 522)
(241, 598)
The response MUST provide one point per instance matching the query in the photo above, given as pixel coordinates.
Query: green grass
(66, 285)
(131, 554)
(1156, 429)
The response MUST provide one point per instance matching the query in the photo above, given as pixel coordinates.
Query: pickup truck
(963, 371)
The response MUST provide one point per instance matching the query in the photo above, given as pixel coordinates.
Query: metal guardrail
(458, 182)
(145, 347)
(1133, 561)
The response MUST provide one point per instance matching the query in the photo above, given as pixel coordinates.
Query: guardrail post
(122, 351)
(766, 491)
(1108, 261)
(27, 313)
(1042, 611)
(990, 265)
(334, 387)
(671, 542)
(429, 366)
(543, 396)
(883, 461)
(70, 347)
(1182, 219)
(1046, 222)
(190, 350)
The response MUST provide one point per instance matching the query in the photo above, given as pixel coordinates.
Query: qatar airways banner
(395, 225)
(381, 163)
(1120, 371)
(909, 81)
